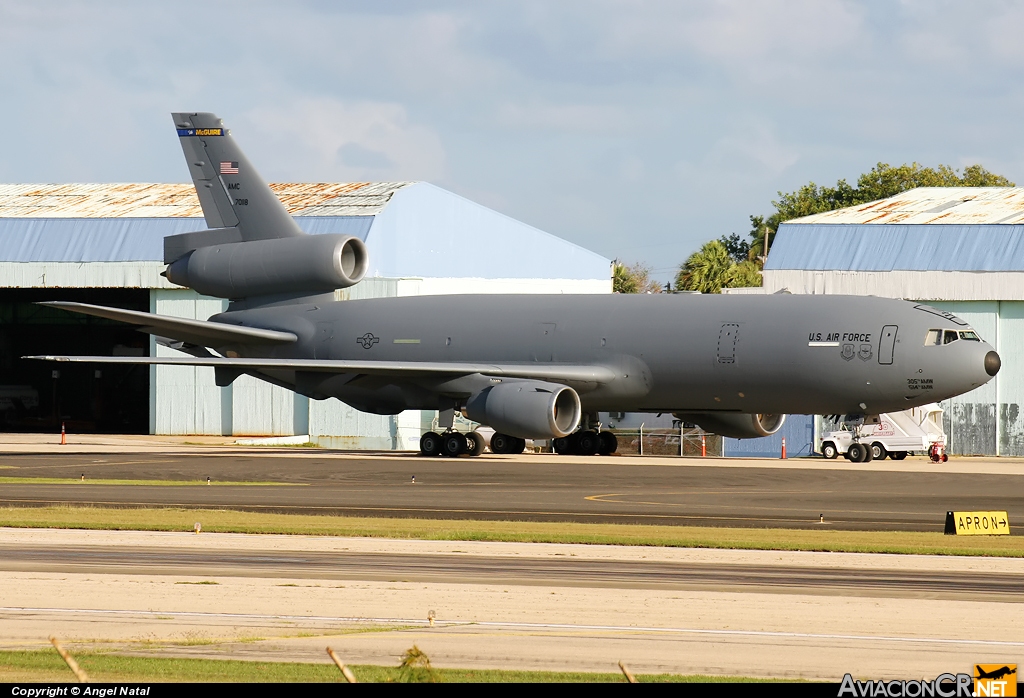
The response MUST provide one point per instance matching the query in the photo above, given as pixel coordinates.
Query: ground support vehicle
(918, 430)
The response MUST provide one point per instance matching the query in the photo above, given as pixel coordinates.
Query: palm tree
(633, 278)
(707, 270)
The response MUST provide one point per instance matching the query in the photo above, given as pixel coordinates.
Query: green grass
(221, 521)
(110, 481)
(47, 666)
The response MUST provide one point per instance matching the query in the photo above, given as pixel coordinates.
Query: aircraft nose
(992, 363)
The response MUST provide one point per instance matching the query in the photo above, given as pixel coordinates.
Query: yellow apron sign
(977, 523)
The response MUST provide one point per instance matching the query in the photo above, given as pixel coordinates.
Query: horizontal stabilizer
(546, 371)
(201, 332)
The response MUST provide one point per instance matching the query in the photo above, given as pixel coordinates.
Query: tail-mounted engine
(307, 264)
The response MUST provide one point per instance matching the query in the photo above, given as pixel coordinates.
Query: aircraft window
(970, 336)
(950, 336)
(933, 338)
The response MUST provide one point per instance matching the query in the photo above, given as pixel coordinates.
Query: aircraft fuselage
(671, 353)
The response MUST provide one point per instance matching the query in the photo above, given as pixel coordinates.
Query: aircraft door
(544, 341)
(887, 344)
(728, 336)
(322, 343)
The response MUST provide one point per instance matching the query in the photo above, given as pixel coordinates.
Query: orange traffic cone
(63, 435)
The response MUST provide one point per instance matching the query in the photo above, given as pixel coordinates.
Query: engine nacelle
(306, 264)
(527, 409)
(737, 426)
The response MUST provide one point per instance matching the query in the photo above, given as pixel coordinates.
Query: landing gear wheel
(454, 444)
(609, 444)
(562, 445)
(588, 444)
(503, 443)
(898, 455)
(878, 451)
(430, 444)
(475, 443)
(567, 445)
(518, 445)
(829, 450)
(859, 453)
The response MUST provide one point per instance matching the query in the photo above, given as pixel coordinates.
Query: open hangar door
(37, 396)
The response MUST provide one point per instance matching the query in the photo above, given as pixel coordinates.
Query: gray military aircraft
(529, 366)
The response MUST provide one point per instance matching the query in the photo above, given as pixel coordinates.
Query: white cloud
(329, 140)
(748, 151)
(597, 118)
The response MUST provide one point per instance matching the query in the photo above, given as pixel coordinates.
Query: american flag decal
(229, 168)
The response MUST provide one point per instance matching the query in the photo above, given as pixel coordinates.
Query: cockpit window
(949, 336)
(970, 336)
(933, 338)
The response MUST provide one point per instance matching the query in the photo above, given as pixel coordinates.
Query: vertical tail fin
(231, 192)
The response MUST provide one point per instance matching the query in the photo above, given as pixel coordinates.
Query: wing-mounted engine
(527, 409)
(737, 426)
(307, 264)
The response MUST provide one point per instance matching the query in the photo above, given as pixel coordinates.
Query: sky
(636, 129)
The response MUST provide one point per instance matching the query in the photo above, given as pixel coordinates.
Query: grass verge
(47, 666)
(223, 521)
(157, 483)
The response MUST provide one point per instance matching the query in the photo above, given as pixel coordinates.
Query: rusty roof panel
(134, 200)
(938, 205)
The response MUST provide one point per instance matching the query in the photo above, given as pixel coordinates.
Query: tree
(744, 274)
(634, 278)
(707, 270)
(881, 182)
(737, 247)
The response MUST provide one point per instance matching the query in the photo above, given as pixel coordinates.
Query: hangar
(103, 243)
(959, 249)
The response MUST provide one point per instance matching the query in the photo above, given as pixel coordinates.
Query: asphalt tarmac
(489, 569)
(525, 488)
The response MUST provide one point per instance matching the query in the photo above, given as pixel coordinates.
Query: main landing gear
(453, 444)
(503, 444)
(587, 443)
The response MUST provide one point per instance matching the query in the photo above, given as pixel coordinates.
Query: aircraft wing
(201, 332)
(541, 371)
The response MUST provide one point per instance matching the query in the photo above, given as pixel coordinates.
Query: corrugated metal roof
(930, 205)
(869, 247)
(411, 229)
(180, 201)
(125, 239)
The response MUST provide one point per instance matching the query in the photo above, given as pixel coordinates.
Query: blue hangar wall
(798, 430)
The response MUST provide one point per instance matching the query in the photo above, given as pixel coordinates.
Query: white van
(895, 435)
